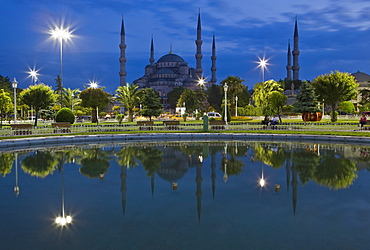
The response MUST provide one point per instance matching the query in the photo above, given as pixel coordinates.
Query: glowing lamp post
(263, 65)
(33, 73)
(61, 34)
(225, 90)
(14, 85)
(201, 83)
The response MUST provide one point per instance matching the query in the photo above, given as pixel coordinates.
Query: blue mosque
(171, 70)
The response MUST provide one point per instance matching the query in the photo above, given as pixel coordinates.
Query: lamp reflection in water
(63, 219)
(262, 180)
(225, 164)
(16, 187)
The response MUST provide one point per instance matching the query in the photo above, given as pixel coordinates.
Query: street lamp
(73, 97)
(14, 84)
(225, 90)
(93, 84)
(236, 105)
(201, 83)
(33, 74)
(262, 63)
(61, 34)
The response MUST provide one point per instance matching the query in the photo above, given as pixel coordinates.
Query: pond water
(189, 195)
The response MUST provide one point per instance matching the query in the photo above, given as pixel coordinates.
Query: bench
(145, 125)
(171, 125)
(217, 124)
(22, 129)
(61, 127)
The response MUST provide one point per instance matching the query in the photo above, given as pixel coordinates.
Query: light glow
(62, 221)
(93, 84)
(60, 33)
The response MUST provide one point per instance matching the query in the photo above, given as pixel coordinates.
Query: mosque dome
(361, 77)
(171, 58)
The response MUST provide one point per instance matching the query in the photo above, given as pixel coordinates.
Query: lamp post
(15, 84)
(201, 83)
(225, 90)
(262, 63)
(236, 105)
(73, 97)
(61, 34)
(33, 73)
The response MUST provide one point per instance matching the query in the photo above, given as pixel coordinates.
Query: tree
(277, 101)
(39, 97)
(70, 98)
(235, 88)
(59, 91)
(5, 84)
(306, 100)
(334, 88)
(214, 93)
(5, 104)
(94, 98)
(191, 100)
(129, 97)
(347, 106)
(262, 90)
(174, 95)
(151, 103)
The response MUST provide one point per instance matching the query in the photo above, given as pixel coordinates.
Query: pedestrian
(363, 120)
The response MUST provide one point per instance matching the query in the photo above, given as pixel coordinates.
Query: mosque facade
(171, 70)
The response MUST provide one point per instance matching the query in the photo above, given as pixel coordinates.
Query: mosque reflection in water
(332, 166)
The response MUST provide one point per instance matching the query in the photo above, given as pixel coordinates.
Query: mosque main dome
(171, 58)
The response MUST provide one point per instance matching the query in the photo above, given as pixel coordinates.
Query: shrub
(119, 118)
(184, 116)
(65, 115)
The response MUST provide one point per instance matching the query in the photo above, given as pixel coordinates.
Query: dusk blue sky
(333, 35)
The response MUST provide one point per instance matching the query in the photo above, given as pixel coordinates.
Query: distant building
(171, 70)
(363, 80)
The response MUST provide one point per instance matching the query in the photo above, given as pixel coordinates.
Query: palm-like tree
(128, 96)
(70, 98)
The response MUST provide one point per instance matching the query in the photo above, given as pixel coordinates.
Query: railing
(241, 126)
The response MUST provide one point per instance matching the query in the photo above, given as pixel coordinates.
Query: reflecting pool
(189, 195)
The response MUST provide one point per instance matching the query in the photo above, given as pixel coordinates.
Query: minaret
(122, 59)
(198, 55)
(295, 53)
(289, 64)
(151, 60)
(213, 58)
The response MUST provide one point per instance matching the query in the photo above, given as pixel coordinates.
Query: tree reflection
(6, 163)
(335, 173)
(305, 162)
(273, 156)
(127, 156)
(39, 163)
(95, 163)
(233, 165)
(150, 158)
